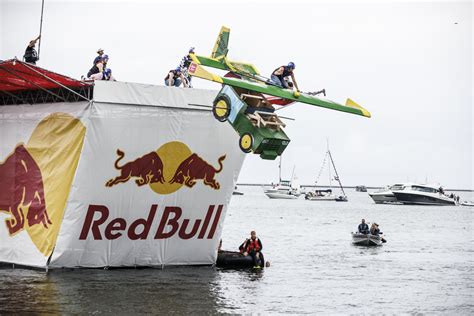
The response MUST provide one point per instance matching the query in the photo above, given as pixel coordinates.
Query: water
(425, 267)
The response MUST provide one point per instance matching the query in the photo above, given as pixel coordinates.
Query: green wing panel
(220, 47)
(288, 94)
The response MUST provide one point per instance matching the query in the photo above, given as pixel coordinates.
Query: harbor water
(427, 266)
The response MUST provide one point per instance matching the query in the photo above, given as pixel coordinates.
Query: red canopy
(16, 75)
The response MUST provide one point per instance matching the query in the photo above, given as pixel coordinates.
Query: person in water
(31, 55)
(281, 74)
(363, 227)
(253, 248)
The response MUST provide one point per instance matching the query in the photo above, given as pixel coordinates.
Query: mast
(329, 165)
(279, 171)
(41, 28)
(334, 166)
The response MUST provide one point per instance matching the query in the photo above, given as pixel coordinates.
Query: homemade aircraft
(247, 100)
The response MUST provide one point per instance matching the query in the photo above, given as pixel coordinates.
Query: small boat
(366, 239)
(235, 192)
(327, 195)
(320, 195)
(467, 203)
(236, 260)
(285, 189)
(361, 188)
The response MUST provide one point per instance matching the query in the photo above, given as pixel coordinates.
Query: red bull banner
(137, 177)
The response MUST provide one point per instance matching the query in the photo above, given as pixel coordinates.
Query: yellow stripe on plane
(351, 103)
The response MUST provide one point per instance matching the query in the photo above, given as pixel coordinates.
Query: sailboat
(327, 194)
(284, 189)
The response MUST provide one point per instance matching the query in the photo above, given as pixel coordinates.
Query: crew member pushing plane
(280, 75)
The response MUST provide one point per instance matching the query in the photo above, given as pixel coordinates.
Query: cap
(100, 50)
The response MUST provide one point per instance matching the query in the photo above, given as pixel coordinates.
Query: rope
(322, 168)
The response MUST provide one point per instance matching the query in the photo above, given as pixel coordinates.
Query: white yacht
(283, 190)
(385, 195)
(422, 194)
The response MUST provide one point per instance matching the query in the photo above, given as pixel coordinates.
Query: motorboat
(283, 190)
(367, 239)
(327, 194)
(467, 203)
(385, 196)
(361, 188)
(423, 194)
(236, 192)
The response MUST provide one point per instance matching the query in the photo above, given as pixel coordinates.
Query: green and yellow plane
(251, 80)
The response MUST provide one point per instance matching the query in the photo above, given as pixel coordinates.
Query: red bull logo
(35, 179)
(165, 170)
(22, 192)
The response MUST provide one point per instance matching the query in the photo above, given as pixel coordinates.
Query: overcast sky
(409, 64)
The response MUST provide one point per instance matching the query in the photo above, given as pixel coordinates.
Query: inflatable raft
(236, 260)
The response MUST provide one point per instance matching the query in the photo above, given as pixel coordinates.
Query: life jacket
(253, 245)
(174, 75)
(31, 56)
(286, 72)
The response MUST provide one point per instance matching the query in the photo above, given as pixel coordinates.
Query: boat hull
(280, 195)
(383, 198)
(366, 240)
(320, 198)
(423, 199)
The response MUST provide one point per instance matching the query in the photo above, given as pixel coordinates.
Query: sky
(408, 63)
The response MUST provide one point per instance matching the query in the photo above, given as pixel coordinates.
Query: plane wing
(195, 69)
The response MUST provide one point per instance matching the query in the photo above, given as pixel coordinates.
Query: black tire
(221, 108)
(246, 142)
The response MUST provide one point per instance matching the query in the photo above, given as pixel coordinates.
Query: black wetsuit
(31, 56)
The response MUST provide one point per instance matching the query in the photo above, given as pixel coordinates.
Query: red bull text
(103, 228)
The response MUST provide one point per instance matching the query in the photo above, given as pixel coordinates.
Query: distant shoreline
(345, 187)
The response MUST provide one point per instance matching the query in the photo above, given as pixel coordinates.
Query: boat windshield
(397, 187)
(424, 189)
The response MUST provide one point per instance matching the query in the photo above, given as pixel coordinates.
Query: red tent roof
(16, 75)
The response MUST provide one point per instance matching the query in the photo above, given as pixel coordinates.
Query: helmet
(191, 50)
(105, 57)
(291, 65)
(107, 72)
(100, 50)
(178, 69)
